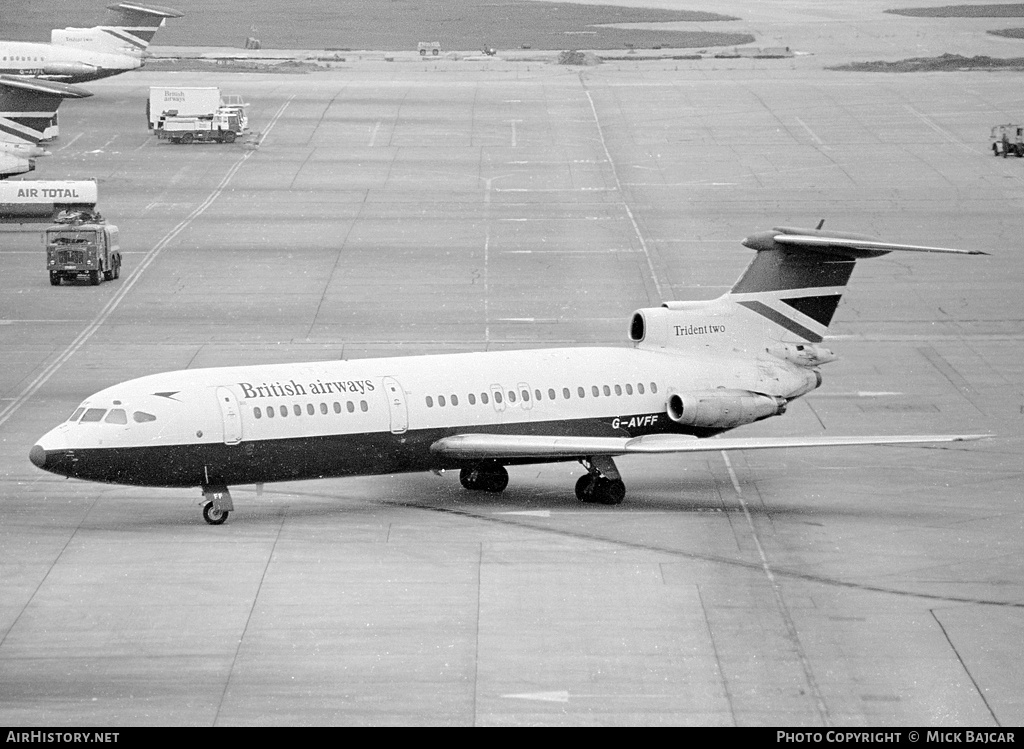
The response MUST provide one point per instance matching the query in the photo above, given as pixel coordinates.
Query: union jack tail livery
(783, 303)
(132, 27)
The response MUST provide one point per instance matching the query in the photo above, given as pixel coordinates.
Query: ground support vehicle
(1008, 140)
(433, 47)
(82, 244)
(223, 126)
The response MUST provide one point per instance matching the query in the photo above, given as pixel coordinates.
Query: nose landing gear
(216, 504)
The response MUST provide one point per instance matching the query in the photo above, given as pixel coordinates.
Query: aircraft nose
(38, 456)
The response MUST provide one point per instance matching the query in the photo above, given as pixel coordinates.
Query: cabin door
(397, 405)
(230, 415)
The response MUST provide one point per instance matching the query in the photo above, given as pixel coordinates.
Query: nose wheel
(216, 504)
(213, 516)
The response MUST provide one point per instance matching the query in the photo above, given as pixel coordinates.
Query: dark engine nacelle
(722, 409)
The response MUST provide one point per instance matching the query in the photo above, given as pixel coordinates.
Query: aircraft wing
(518, 446)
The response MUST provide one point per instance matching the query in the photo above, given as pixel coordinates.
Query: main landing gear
(489, 476)
(600, 485)
(216, 504)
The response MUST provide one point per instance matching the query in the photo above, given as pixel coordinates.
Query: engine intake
(722, 409)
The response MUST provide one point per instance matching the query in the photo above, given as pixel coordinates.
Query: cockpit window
(93, 414)
(116, 416)
(76, 414)
(141, 416)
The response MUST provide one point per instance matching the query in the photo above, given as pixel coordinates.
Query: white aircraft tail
(783, 302)
(27, 106)
(131, 29)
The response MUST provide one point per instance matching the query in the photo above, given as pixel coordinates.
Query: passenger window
(640, 388)
(351, 407)
(497, 397)
(551, 394)
(565, 393)
(364, 406)
(284, 410)
(455, 400)
(618, 389)
(441, 401)
(116, 416)
(472, 399)
(298, 409)
(654, 387)
(270, 412)
(93, 414)
(309, 409)
(430, 402)
(607, 390)
(525, 394)
(257, 412)
(337, 407)
(581, 392)
(76, 414)
(511, 396)
(323, 408)
(484, 398)
(629, 389)
(594, 391)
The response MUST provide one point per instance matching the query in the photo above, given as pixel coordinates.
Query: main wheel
(54, 278)
(228, 136)
(186, 138)
(94, 277)
(214, 516)
(484, 477)
(585, 487)
(609, 491)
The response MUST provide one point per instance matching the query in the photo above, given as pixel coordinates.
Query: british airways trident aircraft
(694, 370)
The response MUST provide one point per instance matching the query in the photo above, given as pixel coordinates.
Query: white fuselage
(64, 62)
(276, 422)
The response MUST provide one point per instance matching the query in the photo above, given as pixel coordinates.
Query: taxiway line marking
(41, 379)
(625, 205)
(790, 625)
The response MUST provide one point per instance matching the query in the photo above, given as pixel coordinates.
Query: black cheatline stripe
(779, 319)
(818, 308)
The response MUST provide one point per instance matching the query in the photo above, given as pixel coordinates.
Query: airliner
(693, 371)
(27, 107)
(77, 55)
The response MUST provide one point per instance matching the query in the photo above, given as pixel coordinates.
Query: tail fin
(785, 298)
(798, 275)
(131, 28)
(27, 106)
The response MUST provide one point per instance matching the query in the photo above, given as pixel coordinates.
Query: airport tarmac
(405, 209)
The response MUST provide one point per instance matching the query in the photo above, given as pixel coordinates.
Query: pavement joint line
(108, 309)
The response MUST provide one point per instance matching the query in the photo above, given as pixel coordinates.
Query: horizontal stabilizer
(519, 446)
(840, 243)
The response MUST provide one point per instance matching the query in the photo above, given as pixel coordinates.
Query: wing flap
(518, 446)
